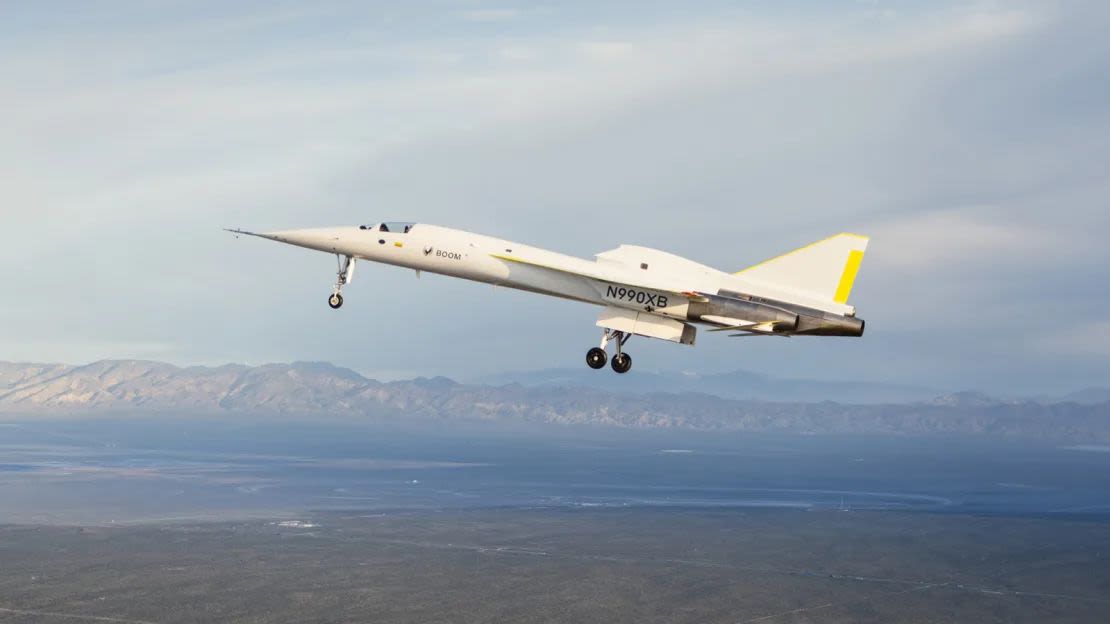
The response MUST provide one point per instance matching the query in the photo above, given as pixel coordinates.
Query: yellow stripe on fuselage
(851, 268)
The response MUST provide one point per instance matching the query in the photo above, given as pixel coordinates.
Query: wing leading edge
(604, 276)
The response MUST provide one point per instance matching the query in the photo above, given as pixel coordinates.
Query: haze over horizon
(969, 139)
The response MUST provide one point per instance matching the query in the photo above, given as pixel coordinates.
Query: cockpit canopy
(398, 227)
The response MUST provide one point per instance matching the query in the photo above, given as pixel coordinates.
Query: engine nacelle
(728, 307)
(785, 318)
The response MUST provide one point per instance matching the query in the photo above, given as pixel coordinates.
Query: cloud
(490, 15)
(1091, 339)
(967, 138)
(973, 238)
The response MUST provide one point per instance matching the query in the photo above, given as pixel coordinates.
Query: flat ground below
(559, 565)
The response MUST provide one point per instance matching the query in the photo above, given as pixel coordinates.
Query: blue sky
(970, 139)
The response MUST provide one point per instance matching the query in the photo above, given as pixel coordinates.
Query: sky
(971, 140)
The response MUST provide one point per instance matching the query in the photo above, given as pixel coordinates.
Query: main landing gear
(343, 277)
(596, 357)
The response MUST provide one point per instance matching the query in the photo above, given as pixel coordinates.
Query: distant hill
(323, 390)
(1087, 396)
(738, 384)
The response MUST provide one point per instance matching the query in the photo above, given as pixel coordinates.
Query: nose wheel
(343, 277)
(597, 356)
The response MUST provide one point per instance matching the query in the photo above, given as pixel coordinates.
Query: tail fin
(822, 271)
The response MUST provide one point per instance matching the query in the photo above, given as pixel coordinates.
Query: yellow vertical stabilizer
(822, 271)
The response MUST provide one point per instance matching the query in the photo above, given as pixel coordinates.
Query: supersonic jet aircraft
(642, 291)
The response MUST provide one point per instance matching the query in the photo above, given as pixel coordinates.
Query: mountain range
(747, 385)
(324, 390)
(738, 384)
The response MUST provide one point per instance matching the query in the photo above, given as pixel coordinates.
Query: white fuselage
(643, 291)
(630, 277)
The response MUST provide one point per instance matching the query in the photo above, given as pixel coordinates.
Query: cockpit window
(398, 227)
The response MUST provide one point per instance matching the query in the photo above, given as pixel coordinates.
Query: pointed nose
(324, 239)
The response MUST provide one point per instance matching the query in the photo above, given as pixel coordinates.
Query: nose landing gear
(597, 356)
(343, 277)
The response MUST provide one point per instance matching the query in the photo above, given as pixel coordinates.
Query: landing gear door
(643, 324)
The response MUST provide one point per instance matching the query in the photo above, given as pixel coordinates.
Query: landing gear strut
(597, 356)
(343, 277)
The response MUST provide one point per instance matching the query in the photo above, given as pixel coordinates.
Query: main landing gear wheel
(335, 301)
(596, 358)
(622, 362)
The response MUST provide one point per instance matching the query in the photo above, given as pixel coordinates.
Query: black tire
(596, 358)
(622, 362)
(335, 301)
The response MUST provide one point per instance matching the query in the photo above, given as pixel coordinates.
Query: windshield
(400, 227)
